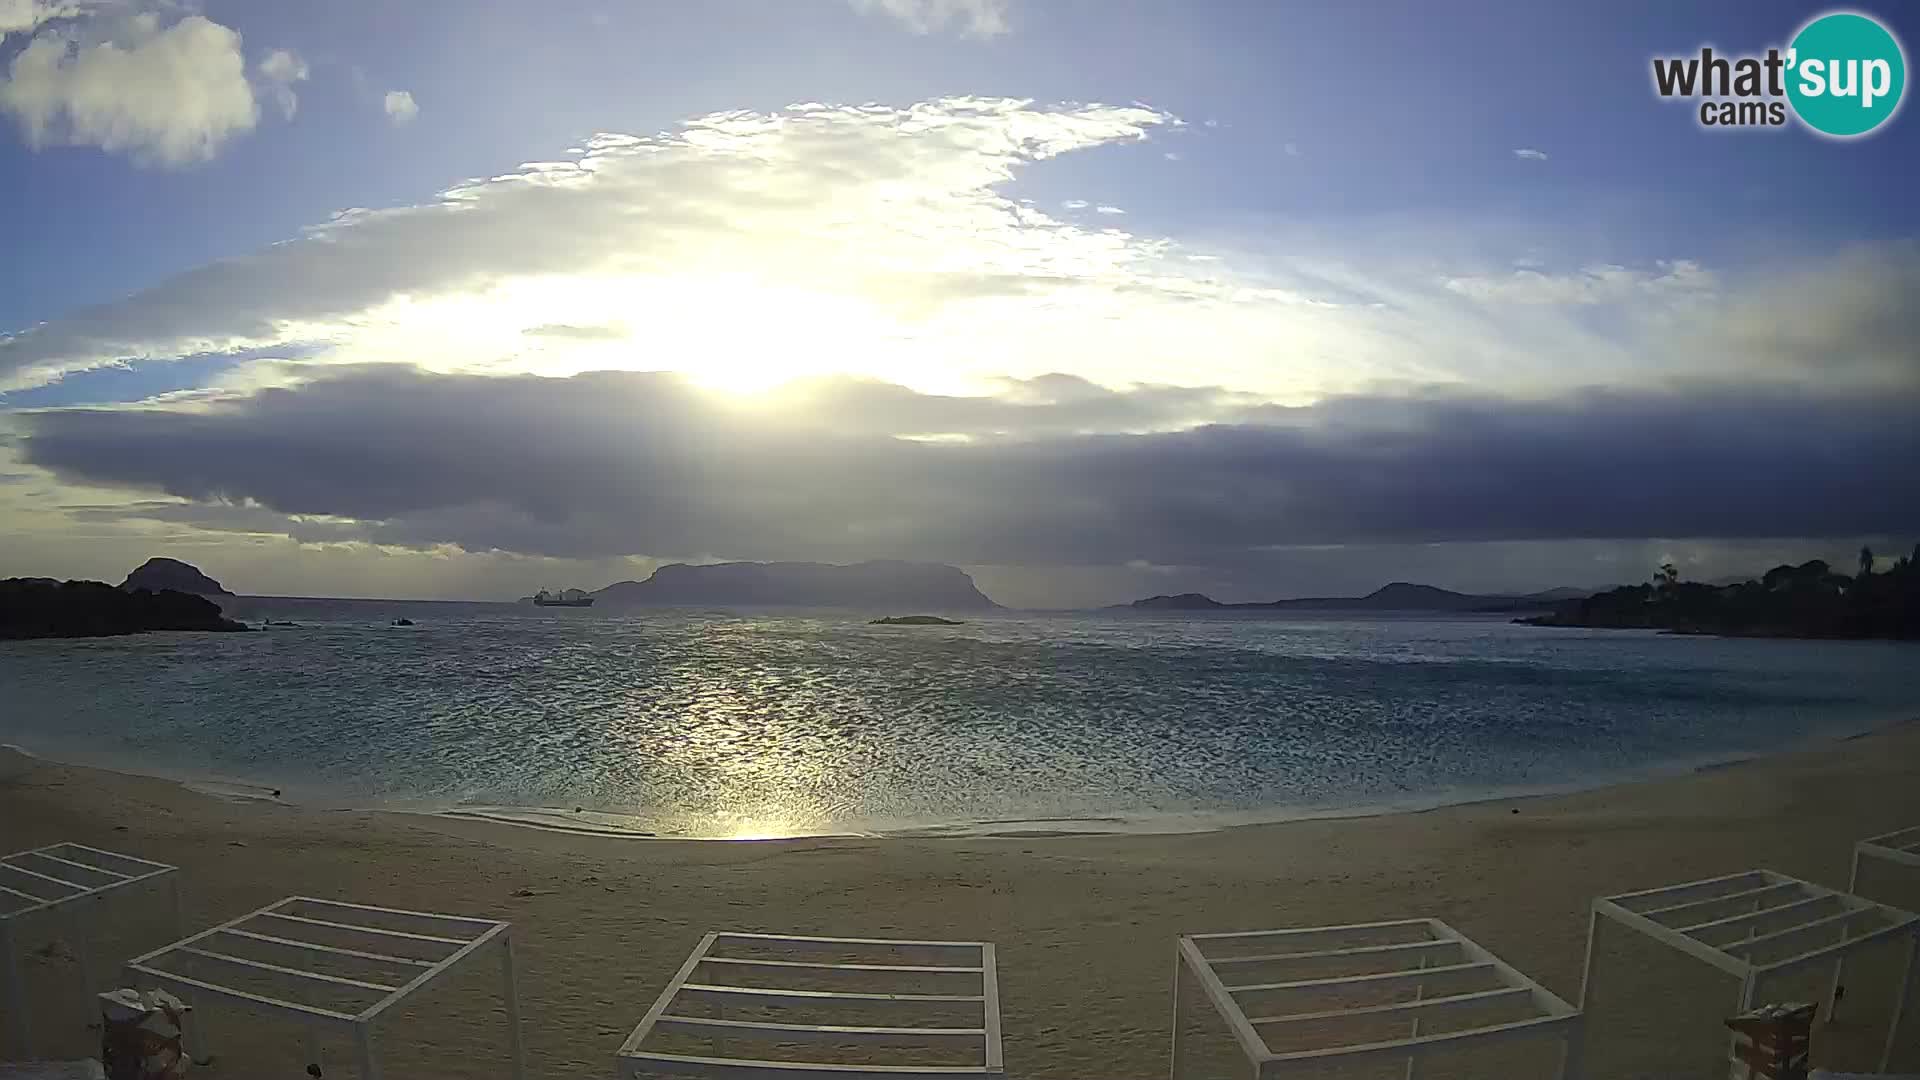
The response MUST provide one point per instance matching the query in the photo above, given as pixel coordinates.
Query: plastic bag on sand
(143, 1036)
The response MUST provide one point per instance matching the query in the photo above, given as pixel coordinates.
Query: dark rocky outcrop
(803, 584)
(162, 573)
(914, 620)
(38, 608)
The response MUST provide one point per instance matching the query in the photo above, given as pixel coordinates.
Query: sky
(1097, 299)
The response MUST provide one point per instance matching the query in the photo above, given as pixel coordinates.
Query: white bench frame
(64, 869)
(284, 924)
(970, 958)
(1326, 942)
(1707, 900)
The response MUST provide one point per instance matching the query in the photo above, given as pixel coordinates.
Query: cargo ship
(563, 598)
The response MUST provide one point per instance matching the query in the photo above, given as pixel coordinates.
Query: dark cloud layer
(617, 463)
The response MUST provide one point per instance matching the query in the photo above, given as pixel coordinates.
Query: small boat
(563, 598)
(403, 622)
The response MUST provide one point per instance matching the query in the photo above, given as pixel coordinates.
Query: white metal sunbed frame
(1458, 954)
(65, 879)
(393, 964)
(971, 963)
(1900, 847)
(1720, 920)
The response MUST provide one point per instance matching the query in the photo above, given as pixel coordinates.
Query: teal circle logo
(1846, 74)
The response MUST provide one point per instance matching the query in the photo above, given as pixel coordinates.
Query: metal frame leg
(363, 1034)
(82, 960)
(16, 993)
(1419, 993)
(514, 1043)
(199, 1028)
(1840, 962)
(1571, 1045)
(1749, 989)
(1900, 1002)
(1173, 1051)
(174, 905)
(1586, 967)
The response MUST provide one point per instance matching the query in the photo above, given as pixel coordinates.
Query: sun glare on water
(764, 828)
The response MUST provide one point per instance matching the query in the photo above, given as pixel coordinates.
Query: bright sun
(728, 333)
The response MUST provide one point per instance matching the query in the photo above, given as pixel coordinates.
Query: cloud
(577, 333)
(400, 107)
(1291, 149)
(280, 69)
(1848, 317)
(974, 18)
(24, 16)
(751, 248)
(1597, 284)
(1057, 471)
(167, 95)
(1530, 155)
(1108, 210)
(880, 227)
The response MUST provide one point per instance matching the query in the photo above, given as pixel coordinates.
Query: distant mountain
(1186, 601)
(162, 573)
(886, 584)
(1397, 596)
(1563, 593)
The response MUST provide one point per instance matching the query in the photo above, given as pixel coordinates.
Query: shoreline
(613, 825)
(1084, 924)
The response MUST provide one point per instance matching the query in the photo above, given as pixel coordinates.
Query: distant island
(914, 620)
(42, 608)
(1805, 601)
(1397, 596)
(163, 573)
(882, 584)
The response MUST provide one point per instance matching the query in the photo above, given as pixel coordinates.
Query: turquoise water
(719, 724)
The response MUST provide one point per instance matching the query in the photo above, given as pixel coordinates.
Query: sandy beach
(1084, 924)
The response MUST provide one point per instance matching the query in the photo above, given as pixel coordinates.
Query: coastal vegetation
(1810, 600)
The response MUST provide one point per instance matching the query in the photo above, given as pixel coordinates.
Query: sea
(733, 725)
